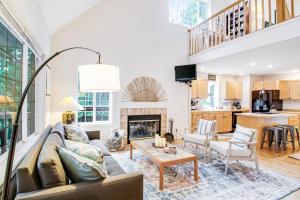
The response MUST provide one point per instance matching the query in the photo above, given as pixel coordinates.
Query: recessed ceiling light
(253, 64)
(241, 74)
(295, 71)
(270, 66)
(221, 73)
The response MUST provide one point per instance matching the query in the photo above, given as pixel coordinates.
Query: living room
(174, 95)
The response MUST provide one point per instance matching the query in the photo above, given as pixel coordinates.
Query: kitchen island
(259, 121)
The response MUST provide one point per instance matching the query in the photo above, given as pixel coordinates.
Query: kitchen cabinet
(233, 90)
(289, 89)
(294, 121)
(295, 89)
(200, 89)
(266, 85)
(223, 119)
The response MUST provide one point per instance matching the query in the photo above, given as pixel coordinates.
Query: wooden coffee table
(162, 159)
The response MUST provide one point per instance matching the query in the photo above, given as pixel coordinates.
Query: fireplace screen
(143, 126)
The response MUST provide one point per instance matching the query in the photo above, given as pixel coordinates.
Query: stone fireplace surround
(125, 112)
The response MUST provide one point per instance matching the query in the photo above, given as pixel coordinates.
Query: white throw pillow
(76, 133)
(86, 150)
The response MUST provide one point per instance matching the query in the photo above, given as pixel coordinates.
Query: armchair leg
(210, 152)
(205, 153)
(226, 167)
(256, 164)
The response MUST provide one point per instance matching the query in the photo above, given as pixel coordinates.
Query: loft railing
(241, 18)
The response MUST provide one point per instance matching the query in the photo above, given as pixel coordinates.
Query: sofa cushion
(49, 165)
(80, 168)
(27, 174)
(86, 150)
(196, 138)
(76, 133)
(112, 166)
(99, 144)
(222, 148)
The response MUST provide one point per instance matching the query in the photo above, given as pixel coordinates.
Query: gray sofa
(41, 176)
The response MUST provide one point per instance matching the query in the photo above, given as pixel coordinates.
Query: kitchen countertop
(220, 110)
(261, 115)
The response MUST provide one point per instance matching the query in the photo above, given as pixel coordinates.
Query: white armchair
(240, 147)
(204, 133)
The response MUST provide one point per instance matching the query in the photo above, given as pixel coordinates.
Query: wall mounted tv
(185, 73)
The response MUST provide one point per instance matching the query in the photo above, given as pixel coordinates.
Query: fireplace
(143, 126)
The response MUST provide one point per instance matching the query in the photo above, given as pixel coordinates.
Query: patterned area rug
(242, 182)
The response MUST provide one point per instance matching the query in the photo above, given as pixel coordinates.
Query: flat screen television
(185, 73)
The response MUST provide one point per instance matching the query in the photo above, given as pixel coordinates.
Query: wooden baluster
(270, 13)
(263, 13)
(250, 16)
(293, 8)
(233, 22)
(196, 40)
(256, 18)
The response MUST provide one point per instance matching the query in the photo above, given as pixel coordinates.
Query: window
(203, 8)
(14, 72)
(212, 94)
(97, 107)
(188, 13)
(11, 54)
(31, 94)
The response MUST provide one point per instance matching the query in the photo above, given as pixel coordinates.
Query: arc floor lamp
(94, 77)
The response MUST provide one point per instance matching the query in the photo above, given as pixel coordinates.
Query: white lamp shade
(68, 104)
(98, 77)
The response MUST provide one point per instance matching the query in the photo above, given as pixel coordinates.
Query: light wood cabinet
(266, 85)
(227, 122)
(233, 90)
(289, 89)
(294, 121)
(223, 120)
(200, 89)
(295, 89)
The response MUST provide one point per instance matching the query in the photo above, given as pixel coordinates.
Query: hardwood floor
(281, 163)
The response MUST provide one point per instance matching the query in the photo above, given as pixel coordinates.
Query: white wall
(133, 34)
(218, 5)
(28, 14)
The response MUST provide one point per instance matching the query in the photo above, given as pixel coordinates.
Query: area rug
(295, 156)
(242, 181)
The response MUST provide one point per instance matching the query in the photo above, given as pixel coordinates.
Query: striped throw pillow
(243, 134)
(205, 126)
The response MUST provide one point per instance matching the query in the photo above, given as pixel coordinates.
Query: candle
(164, 141)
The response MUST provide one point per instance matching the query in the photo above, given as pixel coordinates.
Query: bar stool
(288, 129)
(272, 132)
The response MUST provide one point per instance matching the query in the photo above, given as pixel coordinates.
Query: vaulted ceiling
(59, 13)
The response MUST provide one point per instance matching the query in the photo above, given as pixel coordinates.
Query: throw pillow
(86, 150)
(80, 168)
(76, 133)
(100, 145)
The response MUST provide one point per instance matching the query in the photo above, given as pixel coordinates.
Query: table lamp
(68, 105)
